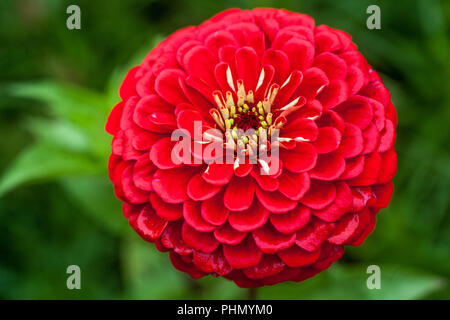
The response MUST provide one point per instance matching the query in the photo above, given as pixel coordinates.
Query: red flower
(263, 70)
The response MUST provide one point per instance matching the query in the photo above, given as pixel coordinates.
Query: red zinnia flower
(263, 69)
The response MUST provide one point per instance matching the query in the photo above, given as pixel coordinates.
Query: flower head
(290, 152)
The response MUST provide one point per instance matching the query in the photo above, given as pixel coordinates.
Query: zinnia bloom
(263, 70)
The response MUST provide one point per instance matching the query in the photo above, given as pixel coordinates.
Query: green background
(57, 206)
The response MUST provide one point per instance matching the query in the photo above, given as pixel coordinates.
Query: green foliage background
(57, 206)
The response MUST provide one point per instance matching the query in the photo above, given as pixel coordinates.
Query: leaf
(350, 282)
(60, 134)
(95, 195)
(41, 162)
(148, 273)
(67, 101)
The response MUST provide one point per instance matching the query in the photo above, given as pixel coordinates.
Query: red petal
(192, 121)
(239, 193)
(335, 93)
(198, 189)
(391, 114)
(218, 174)
(376, 90)
(300, 53)
(171, 239)
(213, 210)
(301, 128)
(196, 99)
(241, 280)
(144, 140)
(339, 207)
(200, 62)
(265, 182)
(183, 266)
(294, 256)
(202, 241)
(192, 215)
(243, 170)
(312, 237)
(328, 140)
(326, 41)
(280, 61)
(250, 219)
(353, 167)
(128, 87)
(314, 80)
(130, 191)
(146, 84)
(226, 234)
(247, 66)
(387, 137)
(361, 196)
(297, 19)
(113, 122)
(383, 194)
(291, 221)
(269, 240)
(219, 39)
(355, 79)
(320, 194)
(171, 184)
(371, 137)
(333, 66)
(268, 266)
(220, 73)
(161, 154)
(312, 110)
(329, 254)
(268, 71)
(329, 167)
(288, 274)
(345, 228)
(148, 225)
(352, 142)
(288, 88)
(302, 158)
(378, 114)
(202, 87)
(356, 110)
(213, 262)
(167, 86)
(154, 114)
(372, 165)
(245, 254)
(183, 49)
(143, 173)
(166, 211)
(364, 228)
(294, 185)
(388, 166)
(274, 201)
(331, 118)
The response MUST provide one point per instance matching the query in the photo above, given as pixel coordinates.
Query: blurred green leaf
(95, 195)
(60, 134)
(68, 101)
(349, 282)
(148, 273)
(43, 163)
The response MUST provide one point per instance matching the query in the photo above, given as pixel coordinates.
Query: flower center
(244, 121)
(247, 119)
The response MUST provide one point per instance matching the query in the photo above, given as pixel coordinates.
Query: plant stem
(251, 293)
